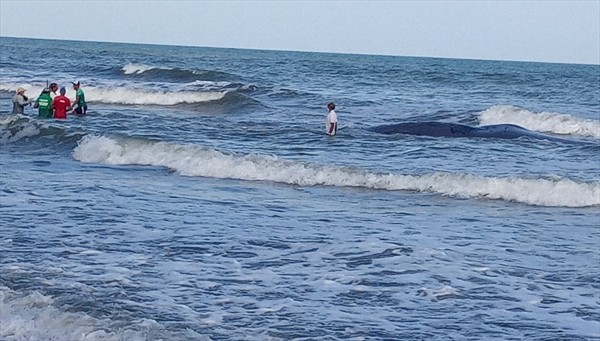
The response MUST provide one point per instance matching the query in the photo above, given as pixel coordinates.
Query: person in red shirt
(61, 104)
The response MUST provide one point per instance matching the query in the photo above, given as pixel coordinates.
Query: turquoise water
(200, 198)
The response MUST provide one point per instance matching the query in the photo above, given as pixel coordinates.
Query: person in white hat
(20, 101)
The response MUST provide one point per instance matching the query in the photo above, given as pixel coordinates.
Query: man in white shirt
(331, 120)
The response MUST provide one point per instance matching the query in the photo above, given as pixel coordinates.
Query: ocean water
(200, 199)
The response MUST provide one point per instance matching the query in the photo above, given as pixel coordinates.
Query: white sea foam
(132, 68)
(7, 135)
(442, 293)
(34, 317)
(141, 97)
(548, 122)
(130, 96)
(31, 90)
(192, 160)
(6, 120)
(212, 84)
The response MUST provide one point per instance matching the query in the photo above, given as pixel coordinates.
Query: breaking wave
(192, 160)
(15, 128)
(154, 73)
(130, 68)
(34, 316)
(132, 96)
(546, 122)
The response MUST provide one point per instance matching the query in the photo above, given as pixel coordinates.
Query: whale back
(442, 129)
(425, 129)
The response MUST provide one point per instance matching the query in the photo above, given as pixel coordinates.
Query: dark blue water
(200, 199)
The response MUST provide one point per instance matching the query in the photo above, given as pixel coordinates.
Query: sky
(543, 31)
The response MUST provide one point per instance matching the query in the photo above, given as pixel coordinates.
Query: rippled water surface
(201, 200)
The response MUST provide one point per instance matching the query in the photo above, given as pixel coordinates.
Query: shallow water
(200, 199)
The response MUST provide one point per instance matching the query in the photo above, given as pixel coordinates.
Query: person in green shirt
(80, 104)
(44, 104)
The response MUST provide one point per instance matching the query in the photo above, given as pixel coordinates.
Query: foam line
(192, 160)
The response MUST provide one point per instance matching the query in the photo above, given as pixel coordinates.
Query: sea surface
(200, 198)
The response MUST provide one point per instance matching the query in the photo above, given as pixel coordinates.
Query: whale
(442, 129)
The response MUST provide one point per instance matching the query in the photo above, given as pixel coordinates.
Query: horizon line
(298, 51)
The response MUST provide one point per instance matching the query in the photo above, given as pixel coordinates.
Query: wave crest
(131, 96)
(33, 316)
(14, 128)
(131, 68)
(546, 122)
(191, 160)
(169, 74)
(145, 97)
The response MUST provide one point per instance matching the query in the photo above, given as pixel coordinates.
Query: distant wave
(130, 68)
(146, 97)
(546, 122)
(130, 96)
(192, 160)
(149, 72)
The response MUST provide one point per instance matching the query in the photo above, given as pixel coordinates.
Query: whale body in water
(503, 131)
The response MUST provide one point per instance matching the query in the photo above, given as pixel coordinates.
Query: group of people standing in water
(53, 105)
(50, 104)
